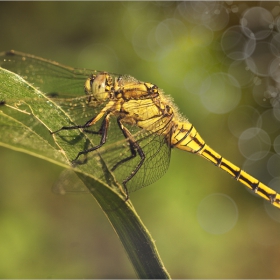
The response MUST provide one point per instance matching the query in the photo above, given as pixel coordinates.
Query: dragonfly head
(99, 86)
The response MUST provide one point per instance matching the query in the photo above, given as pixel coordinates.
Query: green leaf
(26, 118)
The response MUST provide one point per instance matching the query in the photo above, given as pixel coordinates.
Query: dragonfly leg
(87, 124)
(126, 134)
(134, 149)
(104, 112)
(103, 131)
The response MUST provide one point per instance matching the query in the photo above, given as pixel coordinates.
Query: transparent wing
(49, 76)
(154, 141)
(156, 149)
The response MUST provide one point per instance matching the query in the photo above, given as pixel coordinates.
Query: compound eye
(98, 86)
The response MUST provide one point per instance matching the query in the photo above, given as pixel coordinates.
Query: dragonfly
(145, 124)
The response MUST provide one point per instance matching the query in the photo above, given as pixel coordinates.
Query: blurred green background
(205, 224)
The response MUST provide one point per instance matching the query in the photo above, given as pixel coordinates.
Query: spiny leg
(131, 146)
(87, 124)
(104, 112)
(134, 147)
(103, 131)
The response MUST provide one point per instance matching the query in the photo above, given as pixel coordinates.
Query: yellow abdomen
(185, 137)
